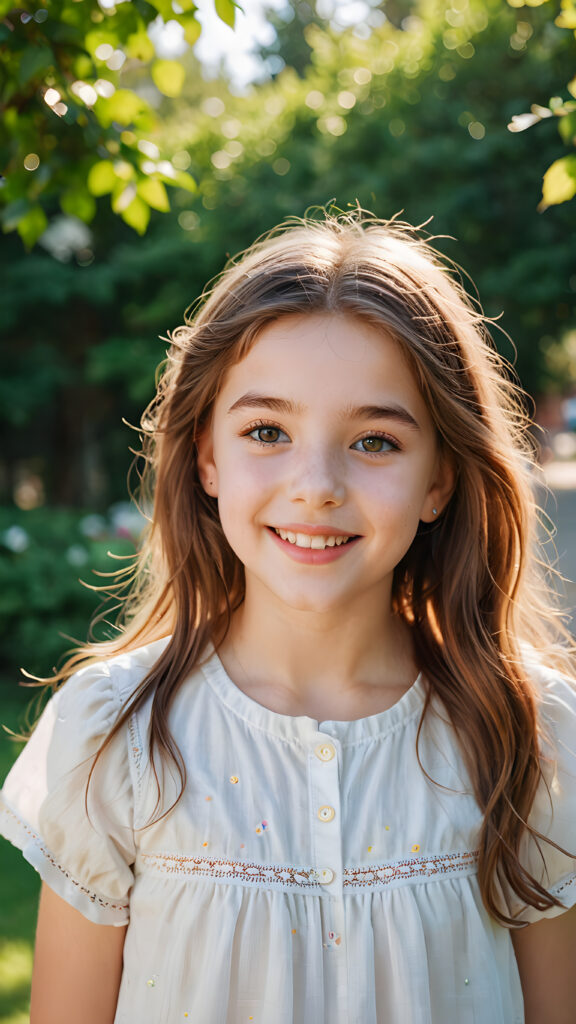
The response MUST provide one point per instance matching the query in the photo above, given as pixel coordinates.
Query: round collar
(300, 727)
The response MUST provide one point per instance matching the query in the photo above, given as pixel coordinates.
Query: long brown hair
(471, 588)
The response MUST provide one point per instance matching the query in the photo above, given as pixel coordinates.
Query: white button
(325, 876)
(325, 751)
(326, 813)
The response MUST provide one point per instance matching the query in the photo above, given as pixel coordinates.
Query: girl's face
(320, 435)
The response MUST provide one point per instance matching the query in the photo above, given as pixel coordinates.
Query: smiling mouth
(317, 542)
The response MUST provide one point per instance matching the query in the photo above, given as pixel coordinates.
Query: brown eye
(267, 434)
(373, 444)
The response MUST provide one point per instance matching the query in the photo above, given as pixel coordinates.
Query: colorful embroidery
(333, 941)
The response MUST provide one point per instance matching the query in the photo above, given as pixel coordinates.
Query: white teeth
(307, 540)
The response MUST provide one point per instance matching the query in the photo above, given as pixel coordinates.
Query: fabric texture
(311, 872)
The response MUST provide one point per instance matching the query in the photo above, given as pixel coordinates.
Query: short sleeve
(554, 809)
(82, 846)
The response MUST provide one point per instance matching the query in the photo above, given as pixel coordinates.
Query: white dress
(310, 874)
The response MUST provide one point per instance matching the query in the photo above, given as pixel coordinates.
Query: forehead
(325, 358)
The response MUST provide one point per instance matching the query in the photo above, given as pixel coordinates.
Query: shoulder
(110, 682)
(555, 695)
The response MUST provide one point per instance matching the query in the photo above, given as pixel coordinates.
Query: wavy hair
(471, 588)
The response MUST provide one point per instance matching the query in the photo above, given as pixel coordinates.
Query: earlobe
(205, 461)
(440, 492)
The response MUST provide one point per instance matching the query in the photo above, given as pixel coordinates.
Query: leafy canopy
(71, 132)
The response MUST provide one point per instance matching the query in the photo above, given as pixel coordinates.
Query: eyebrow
(253, 400)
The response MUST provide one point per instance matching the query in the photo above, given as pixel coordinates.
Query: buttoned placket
(324, 766)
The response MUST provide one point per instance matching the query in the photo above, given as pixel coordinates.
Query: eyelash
(264, 425)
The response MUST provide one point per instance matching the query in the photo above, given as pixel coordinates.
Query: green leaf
(226, 11)
(168, 76)
(179, 179)
(32, 225)
(164, 7)
(183, 180)
(154, 193)
(559, 182)
(35, 60)
(139, 46)
(78, 203)
(101, 178)
(567, 128)
(122, 196)
(192, 28)
(567, 17)
(124, 106)
(137, 215)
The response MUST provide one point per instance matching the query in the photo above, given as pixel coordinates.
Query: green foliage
(409, 119)
(559, 181)
(168, 76)
(44, 609)
(68, 105)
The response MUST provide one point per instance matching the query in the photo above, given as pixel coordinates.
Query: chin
(309, 603)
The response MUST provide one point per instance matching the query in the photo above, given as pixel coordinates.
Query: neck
(302, 662)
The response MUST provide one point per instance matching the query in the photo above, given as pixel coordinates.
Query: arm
(77, 966)
(546, 956)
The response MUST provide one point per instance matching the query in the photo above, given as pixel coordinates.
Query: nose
(317, 479)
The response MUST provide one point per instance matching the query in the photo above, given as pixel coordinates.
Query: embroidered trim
(247, 872)
(92, 896)
(565, 885)
(232, 870)
(413, 867)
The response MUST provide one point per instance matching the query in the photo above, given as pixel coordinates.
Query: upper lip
(314, 531)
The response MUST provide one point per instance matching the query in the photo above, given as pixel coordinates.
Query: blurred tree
(290, 48)
(71, 127)
(411, 119)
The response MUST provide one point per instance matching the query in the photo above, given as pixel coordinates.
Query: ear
(441, 489)
(205, 460)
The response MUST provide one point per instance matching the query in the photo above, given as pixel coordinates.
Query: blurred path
(561, 507)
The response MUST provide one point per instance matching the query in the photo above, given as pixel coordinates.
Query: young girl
(327, 772)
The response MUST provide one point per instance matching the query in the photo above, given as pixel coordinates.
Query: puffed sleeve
(83, 848)
(554, 809)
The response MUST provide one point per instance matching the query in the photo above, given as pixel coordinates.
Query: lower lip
(313, 556)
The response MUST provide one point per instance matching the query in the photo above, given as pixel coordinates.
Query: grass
(19, 888)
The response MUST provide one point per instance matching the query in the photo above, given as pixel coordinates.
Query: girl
(326, 773)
